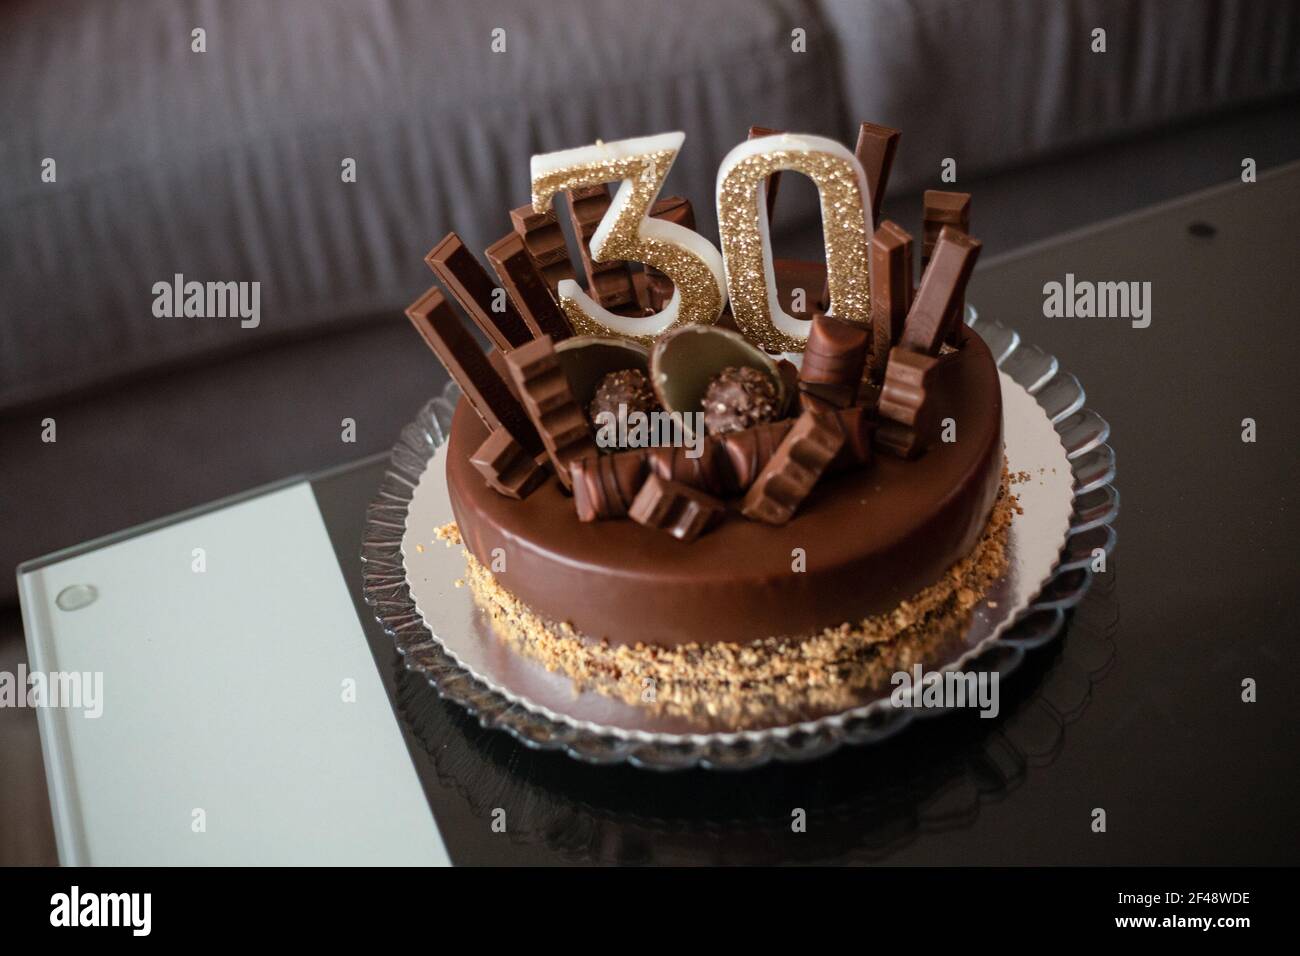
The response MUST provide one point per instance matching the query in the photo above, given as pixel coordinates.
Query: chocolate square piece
(609, 283)
(545, 244)
(682, 511)
(506, 467)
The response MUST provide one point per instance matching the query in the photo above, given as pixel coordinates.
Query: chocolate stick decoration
(942, 284)
(474, 289)
(677, 210)
(527, 289)
(875, 150)
(550, 404)
(891, 292)
(445, 333)
(545, 243)
(946, 209)
(774, 180)
(609, 283)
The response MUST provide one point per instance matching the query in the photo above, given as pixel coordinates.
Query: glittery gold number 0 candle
(747, 247)
(687, 258)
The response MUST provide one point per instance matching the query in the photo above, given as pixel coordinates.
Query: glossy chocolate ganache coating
(871, 538)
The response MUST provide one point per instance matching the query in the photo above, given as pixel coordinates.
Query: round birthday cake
(704, 480)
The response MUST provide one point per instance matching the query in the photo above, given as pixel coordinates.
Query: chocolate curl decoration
(677, 210)
(790, 475)
(682, 511)
(875, 150)
(833, 360)
(485, 390)
(545, 244)
(891, 292)
(609, 283)
(773, 181)
(605, 486)
(506, 467)
(942, 285)
(527, 289)
(952, 210)
(458, 270)
(550, 404)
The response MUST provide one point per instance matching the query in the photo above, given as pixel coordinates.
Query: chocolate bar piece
(905, 408)
(682, 511)
(946, 209)
(550, 404)
(609, 283)
(790, 475)
(544, 241)
(457, 269)
(943, 209)
(773, 181)
(677, 210)
(891, 292)
(506, 467)
(875, 152)
(605, 486)
(485, 390)
(527, 289)
(833, 359)
(709, 472)
(942, 285)
(748, 451)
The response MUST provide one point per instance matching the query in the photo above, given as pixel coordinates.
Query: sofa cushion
(225, 165)
(996, 83)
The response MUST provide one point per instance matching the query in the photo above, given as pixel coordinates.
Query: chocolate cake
(806, 527)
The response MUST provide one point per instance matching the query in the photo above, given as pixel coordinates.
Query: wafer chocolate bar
(942, 285)
(891, 292)
(545, 243)
(677, 210)
(833, 359)
(549, 401)
(606, 485)
(506, 467)
(906, 407)
(485, 390)
(609, 283)
(794, 469)
(458, 270)
(709, 472)
(527, 289)
(943, 209)
(875, 151)
(671, 506)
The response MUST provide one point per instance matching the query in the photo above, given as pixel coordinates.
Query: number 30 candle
(747, 247)
(687, 258)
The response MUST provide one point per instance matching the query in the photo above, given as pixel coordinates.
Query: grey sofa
(226, 165)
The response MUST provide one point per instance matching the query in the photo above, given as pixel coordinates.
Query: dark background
(224, 165)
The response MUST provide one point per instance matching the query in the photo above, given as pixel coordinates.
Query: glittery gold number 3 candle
(747, 247)
(687, 258)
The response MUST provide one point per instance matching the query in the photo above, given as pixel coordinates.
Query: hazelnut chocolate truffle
(739, 397)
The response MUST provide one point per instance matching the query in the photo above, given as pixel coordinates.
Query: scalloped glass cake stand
(1082, 432)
